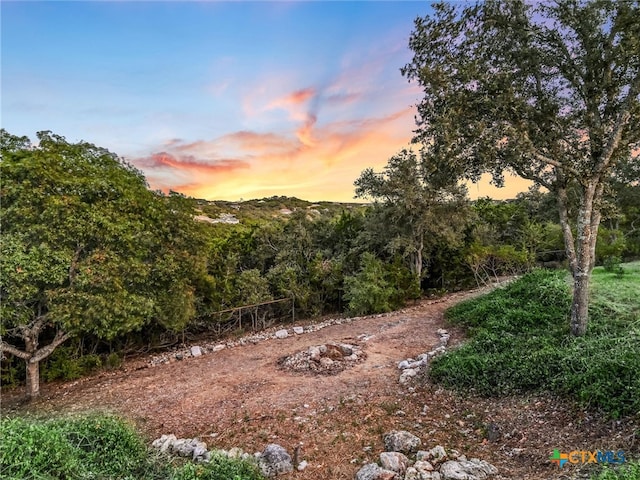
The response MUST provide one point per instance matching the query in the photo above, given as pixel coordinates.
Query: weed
(390, 408)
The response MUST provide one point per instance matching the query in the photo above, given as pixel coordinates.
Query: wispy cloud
(298, 135)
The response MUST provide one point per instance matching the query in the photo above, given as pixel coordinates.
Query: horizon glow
(220, 100)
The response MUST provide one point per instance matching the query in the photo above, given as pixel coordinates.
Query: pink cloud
(163, 160)
(260, 142)
(297, 97)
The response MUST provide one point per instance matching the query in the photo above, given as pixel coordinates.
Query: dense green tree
(86, 248)
(549, 91)
(368, 291)
(252, 288)
(418, 212)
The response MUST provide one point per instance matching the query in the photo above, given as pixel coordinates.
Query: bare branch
(569, 243)
(44, 352)
(37, 325)
(6, 348)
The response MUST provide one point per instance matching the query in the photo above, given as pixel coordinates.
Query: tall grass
(520, 342)
(97, 447)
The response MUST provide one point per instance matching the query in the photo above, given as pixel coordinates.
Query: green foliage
(519, 342)
(89, 447)
(368, 291)
(419, 213)
(610, 247)
(548, 91)
(97, 447)
(626, 471)
(491, 72)
(88, 249)
(220, 468)
(113, 361)
(66, 364)
(252, 288)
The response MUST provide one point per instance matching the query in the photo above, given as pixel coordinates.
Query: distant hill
(222, 211)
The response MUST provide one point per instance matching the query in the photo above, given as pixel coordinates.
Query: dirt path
(240, 397)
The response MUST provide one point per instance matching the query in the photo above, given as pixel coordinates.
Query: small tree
(549, 91)
(368, 291)
(85, 248)
(419, 211)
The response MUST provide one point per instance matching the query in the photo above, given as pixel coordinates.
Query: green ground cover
(97, 447)
(519, 342)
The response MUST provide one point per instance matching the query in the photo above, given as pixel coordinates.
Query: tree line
(96, 263)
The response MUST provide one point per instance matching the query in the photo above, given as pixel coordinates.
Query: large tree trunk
(32, 355)
(33, 378)
(587, 231)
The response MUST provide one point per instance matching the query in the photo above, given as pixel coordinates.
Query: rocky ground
(330, 392)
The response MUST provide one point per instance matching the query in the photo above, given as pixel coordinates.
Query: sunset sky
(220, 100)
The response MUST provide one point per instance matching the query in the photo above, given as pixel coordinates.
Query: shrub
(69, 448)
(220, 468)
(97, 447)
(35, 450)
(368, 291)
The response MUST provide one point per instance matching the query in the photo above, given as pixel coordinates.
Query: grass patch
(520, 342)
(97, 447)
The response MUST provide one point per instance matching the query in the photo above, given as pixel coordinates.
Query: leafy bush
(97, 447)
(69, 448)
(520, 342)
(65, 363)
(35, 450)
(368, 291)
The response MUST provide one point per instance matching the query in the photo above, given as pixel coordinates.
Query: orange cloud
(305, 132)
(327, 136)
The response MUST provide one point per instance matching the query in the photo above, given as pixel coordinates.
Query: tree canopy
(419, 213)
(86, 248)
(549, 91)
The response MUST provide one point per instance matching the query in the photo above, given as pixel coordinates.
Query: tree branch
(541, 157)
(569, 242)
(555, 163)
(5, 347)
(621, 122)
(530, 176)
(44, 352)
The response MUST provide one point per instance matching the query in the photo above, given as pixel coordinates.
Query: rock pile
(412, 367)
(404, 461)
(272, 461)
(252, 339)
(327, 359)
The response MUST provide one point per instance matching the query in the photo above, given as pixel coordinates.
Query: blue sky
(218, 100)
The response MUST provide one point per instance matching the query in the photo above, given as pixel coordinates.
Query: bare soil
(240, 397)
